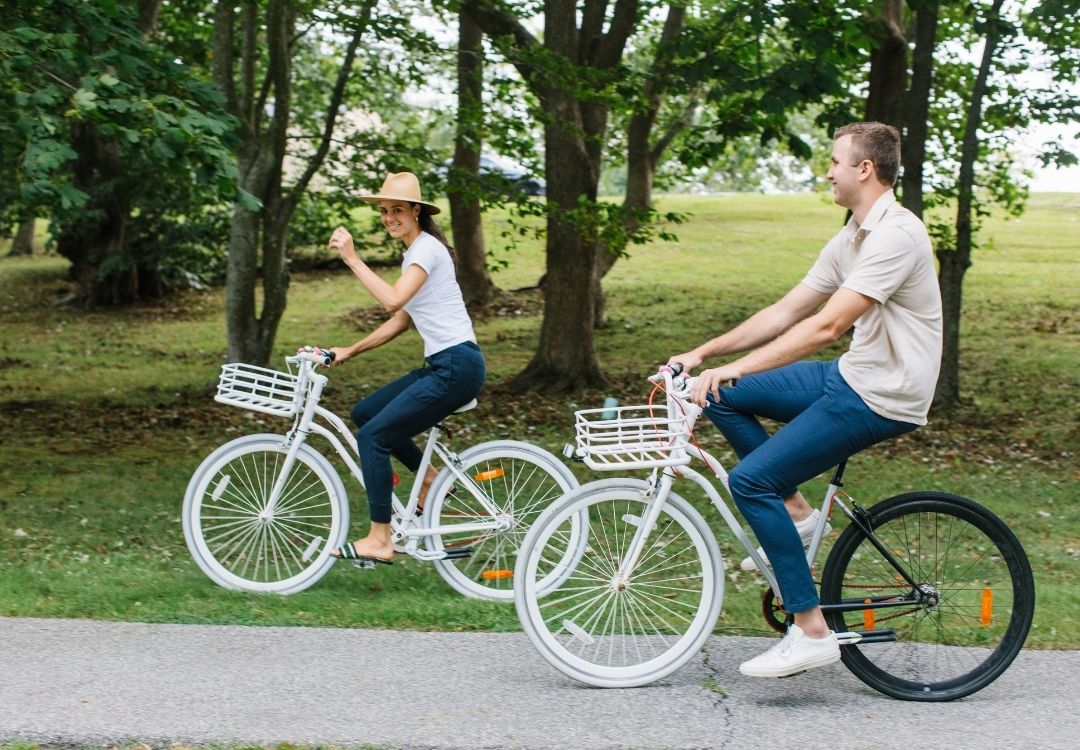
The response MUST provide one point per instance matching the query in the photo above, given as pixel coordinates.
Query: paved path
(77, 682)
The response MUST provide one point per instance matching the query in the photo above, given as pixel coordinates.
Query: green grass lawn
(104, 415)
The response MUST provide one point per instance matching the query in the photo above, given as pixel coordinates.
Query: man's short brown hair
(877, 142)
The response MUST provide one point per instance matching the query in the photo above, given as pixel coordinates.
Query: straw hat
(402, 186)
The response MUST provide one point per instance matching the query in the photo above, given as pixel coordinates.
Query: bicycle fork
(294, 439)
(660, 487)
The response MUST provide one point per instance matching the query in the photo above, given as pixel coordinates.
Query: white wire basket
(259, 389)
(631, 437)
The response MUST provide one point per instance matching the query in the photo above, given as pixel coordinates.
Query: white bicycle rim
(611, 633)
(236, 545)
(521, 480)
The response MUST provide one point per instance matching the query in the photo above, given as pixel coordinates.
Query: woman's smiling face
(401, 219)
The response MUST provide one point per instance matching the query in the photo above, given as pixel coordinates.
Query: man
(877, 274)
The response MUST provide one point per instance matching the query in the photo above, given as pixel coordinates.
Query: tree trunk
(918, 109)
(465, 216)
(251, 334)
(640, 166)
(96, 245)
(565, 359)
(888, 66)
(147, 16)
(574, 130)
(23, 242)
(950, 279)
(955, 263)
(240, 278)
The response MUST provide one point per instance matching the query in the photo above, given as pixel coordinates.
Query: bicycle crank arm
(445, 554)
(851, 637)
(457, 554)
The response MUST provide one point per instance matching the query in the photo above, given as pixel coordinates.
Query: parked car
(509, 176)
(515, 175)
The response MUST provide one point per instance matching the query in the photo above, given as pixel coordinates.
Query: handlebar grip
(676, 369)
(330, 355)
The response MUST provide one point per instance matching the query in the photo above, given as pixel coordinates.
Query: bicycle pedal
(793, 674)
(369, 563)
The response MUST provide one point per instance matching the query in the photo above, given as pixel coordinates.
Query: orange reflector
(490, 575)
(487, 476)
(987, 610)
(867, 617)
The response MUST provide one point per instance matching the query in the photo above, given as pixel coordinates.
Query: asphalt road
(77, 682)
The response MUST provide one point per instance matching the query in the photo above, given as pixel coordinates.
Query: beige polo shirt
(895, 353)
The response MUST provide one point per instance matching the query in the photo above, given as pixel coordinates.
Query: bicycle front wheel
(612, 629)
(518, 480)
(239, 541)
(975, 590)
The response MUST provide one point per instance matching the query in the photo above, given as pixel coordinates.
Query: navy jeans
(390, 417)
(826, 422)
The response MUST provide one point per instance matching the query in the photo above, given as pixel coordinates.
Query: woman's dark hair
(427, 224)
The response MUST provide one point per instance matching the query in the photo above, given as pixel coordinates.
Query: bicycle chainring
(775, 614)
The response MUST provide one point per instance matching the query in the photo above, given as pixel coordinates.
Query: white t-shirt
(437, 309)
(895, 353)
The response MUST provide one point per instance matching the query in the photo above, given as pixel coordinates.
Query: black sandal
(348, 552)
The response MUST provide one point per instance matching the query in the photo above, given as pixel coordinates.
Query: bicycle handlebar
(315, 354)
(673, 370)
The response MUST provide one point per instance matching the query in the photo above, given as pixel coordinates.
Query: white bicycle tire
(565, 646)
(498, 552)
(306, 572)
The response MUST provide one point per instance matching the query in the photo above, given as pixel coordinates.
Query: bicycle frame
(405, 527)
(662, 479)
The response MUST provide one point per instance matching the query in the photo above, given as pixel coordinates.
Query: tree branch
(623, 22)
(278, 32)
(338, 93)
(223, 60)
(499, 23)
(592, 28)
(248, 111)
(681, 123)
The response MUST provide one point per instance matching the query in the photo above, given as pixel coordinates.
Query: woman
(425, 295)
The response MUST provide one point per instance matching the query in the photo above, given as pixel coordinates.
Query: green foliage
(761, 64)
(1037, 54)
(96, 120)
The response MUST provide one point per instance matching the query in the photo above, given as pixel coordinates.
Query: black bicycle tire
(1023, 589)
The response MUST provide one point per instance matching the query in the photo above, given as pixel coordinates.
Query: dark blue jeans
(390, 417)
(826, 422)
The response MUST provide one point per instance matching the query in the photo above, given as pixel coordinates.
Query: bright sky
(1055, 180)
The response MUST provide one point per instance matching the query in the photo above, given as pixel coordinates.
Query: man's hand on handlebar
(688, 360)
(709, 381)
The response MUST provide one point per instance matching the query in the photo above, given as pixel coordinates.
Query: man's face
(845, 172)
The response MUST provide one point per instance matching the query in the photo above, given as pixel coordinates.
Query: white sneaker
(794, 653)
(805, 528)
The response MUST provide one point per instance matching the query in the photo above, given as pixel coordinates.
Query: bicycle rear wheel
(520, 480)
(238, 542)
(609, 630)
(976, 589)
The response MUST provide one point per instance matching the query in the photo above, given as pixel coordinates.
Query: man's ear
(866, 170)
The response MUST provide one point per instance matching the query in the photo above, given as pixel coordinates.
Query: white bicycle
(930, 594)
(263, 512)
